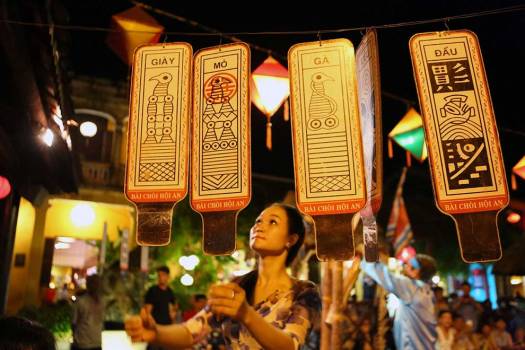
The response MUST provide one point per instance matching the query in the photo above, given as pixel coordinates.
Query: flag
(398, 230)
(124, 250)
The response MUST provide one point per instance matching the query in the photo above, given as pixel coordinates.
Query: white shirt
(445, 342)
(412, 304)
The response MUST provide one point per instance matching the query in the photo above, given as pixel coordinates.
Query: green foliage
(55, 317)
(122, 291)
(186, 240)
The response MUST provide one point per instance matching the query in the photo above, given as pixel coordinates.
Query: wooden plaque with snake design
(326, 133)
(462, 137)
(220, 162)
(158, 137)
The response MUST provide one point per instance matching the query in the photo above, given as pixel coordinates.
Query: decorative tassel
(390, 148)
(269, 134)
(409, 159)
(514, 184)
(286, 111)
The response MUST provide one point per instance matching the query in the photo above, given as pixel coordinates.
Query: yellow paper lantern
(133, 27)
(270, 87)
(410, 135)
(519, 170)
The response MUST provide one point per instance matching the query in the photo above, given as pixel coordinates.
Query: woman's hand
(141, 328)
(228, 300)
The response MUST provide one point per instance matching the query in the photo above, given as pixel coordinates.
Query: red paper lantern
(5, 187)
(406, 254)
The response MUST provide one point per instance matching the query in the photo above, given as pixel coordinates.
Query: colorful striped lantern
(270, 88)
(409, 134)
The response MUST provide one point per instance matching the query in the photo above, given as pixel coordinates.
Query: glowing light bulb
(88, 129)
(82, 215)
(186, 280)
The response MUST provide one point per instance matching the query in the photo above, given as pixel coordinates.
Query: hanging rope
(233, 36)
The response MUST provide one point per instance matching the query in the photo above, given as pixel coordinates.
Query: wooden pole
(379, 340)
(326, 291)
(337, 305)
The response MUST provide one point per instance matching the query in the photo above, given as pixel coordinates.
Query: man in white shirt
(414, 315)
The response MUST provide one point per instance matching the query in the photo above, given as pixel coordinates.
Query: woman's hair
(295, 226)
(18, 333)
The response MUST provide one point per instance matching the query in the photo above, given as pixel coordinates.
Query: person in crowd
(159, 301)
(519, 338)
(412, 298)
(464, 338)
(467, 307)
(88, 317)
(17, 333)
(483, 340)
(364, 337)
(441, 301)
(446, 334)
(487, 315)
(500, 337)
(198, 303)
(265, 308)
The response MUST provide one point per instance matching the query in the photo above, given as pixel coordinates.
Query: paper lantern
(519, 170)
(410, 135)
(406, 254)
(270, 87)
(133, 27)
(5, 187)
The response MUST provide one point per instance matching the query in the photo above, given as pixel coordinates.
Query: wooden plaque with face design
(462, 137)
(221, 169)
(158, 137)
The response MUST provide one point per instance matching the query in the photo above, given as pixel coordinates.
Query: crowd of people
(461, 323)
(269, 309)
(465, 324)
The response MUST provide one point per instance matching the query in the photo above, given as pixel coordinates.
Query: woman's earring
(287, 245)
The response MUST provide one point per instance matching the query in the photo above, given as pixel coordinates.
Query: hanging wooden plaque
(158, 136)
(369, 92)
(462, 137)
(326, 132)
(221, 179)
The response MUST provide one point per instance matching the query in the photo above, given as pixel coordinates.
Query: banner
(221, 159)
(326, 133)
(369, 92)
(157, 164)
(462, 137)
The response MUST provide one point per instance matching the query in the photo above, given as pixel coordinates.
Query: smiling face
(269, 235)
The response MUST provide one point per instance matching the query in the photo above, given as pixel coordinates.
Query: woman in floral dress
(265, 309)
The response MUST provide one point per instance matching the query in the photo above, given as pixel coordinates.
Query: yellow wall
(19, 275)
(59, 223)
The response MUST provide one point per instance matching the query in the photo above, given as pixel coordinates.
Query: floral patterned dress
(292, 311)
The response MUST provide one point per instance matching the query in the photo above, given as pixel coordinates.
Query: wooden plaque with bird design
(462, 137)
(326, 133)
(158, 137)
(369, 92)
(220, 163)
